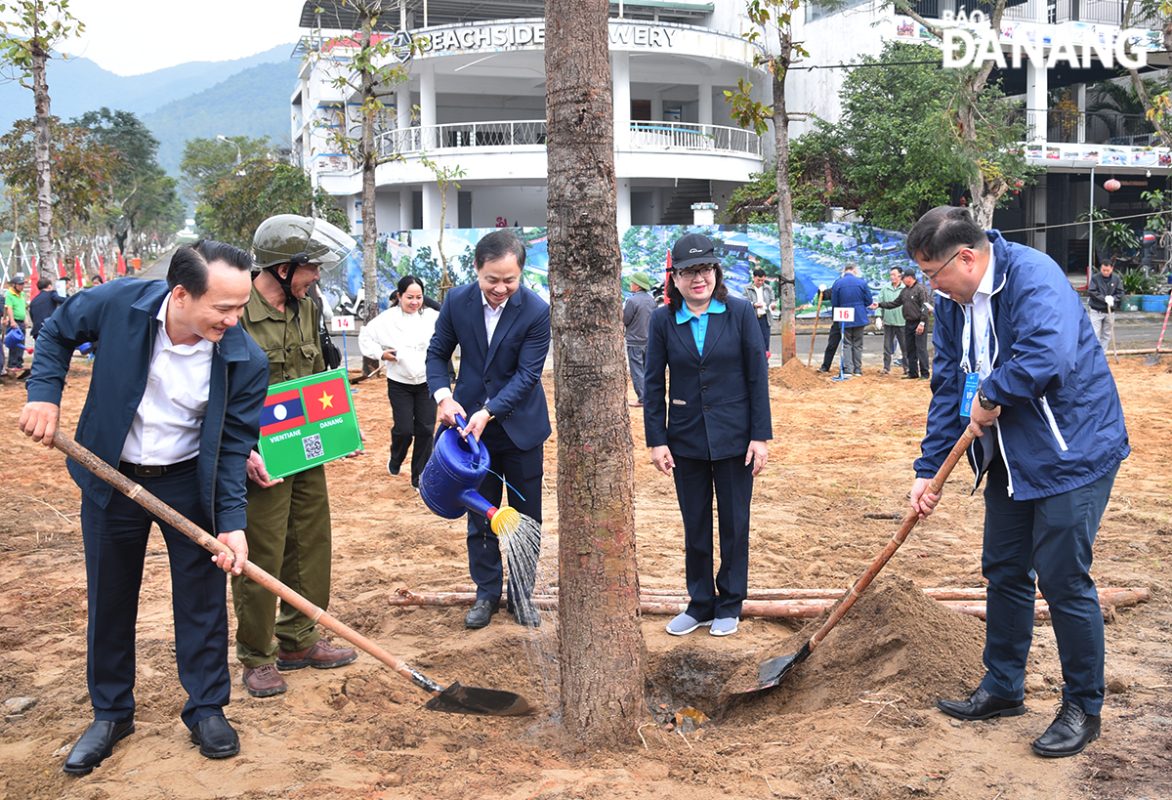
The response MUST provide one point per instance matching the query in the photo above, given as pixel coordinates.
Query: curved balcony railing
(650, 136)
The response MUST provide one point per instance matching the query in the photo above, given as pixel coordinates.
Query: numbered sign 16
(840, 314)
(343, 324)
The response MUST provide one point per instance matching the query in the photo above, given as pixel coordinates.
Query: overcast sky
(130, 37)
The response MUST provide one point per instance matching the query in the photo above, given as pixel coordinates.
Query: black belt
(155, 470)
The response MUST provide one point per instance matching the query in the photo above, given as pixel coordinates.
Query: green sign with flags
(306, 422)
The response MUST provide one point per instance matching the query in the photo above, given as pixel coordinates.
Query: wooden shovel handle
(909, 522)
(210, 543)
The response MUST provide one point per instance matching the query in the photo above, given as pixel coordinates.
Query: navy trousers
(115, 546)
(763, 321)
(696, 480)
(523, 470)
(1051, 539)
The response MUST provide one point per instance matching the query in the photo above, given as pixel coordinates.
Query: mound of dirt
(896, 642)
(794, 375)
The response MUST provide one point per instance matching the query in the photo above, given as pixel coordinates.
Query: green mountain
(253, 102)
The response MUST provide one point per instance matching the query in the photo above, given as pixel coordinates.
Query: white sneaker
(724, 626)
(683, 624)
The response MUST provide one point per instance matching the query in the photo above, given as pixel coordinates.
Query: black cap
(692, 249)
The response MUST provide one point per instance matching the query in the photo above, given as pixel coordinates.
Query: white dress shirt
(491, 317)
(169, 418)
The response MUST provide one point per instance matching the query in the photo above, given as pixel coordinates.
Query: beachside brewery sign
(531, 34)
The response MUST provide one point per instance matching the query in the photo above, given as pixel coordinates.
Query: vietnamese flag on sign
(326, 399)
(281, 412)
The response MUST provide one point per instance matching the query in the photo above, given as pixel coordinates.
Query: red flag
(121, 268)
(32, 278)
(326, 399)
(102, 268)
(60, 267)
(77, 272)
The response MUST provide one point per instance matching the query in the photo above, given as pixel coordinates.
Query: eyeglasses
(932, 275)
(689, 274)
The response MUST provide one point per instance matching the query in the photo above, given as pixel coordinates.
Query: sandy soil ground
(855, 721)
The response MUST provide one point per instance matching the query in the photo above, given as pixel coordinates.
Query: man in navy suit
(502, 329)
(173, 405)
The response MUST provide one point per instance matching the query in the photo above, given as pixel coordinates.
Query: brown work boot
(322, 655)
(264, 681)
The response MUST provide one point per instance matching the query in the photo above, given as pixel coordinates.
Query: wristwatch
(985, 402)
(485, 409)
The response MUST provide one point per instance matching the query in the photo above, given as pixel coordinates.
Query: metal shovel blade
(457, 699)
(773, 671)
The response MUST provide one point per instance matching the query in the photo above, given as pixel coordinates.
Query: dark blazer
(719, 402)
(851, 291)
(121, 315)
(506, 376)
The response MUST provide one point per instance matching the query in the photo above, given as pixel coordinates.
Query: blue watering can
(452, 476)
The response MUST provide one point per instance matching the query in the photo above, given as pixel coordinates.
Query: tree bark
(369, 163)
(785, 210)
(41, 148)
(601, 648)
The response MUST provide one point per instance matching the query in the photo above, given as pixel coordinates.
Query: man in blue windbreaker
(1016, 358)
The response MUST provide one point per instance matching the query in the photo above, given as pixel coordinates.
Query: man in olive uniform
(288, 519)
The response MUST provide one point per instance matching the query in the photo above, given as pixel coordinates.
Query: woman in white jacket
(399, 336)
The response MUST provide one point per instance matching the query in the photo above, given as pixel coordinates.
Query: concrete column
(1081, 98)
(1038, 215)
(1036, 101)
(427, 103)
(623, 204)
(620, 77)
(405, 209)
(431, 206)
(705, 108)
(403, 106)
(657, 107)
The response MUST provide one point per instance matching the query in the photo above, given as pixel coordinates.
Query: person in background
(636, 317)
(1017, 364)
(399, 337)
(41, 307)
(893, 321)
(15, 311)
(851, 291)
(760, 294)
(914, 302)
(1104, 293)
(503, 331)
(713, 440)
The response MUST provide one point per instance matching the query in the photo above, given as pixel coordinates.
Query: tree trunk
(41, 148)
(369, 163)
(601, 648)
(785, 210)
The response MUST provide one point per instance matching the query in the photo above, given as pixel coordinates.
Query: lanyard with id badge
(972, 378)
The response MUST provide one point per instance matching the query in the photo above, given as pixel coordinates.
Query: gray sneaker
(683, 624)
(724, 626)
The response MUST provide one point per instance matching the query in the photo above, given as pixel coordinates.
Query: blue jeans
(1051, 539)
(635, 355)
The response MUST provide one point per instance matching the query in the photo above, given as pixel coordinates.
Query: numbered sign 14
(342, 324)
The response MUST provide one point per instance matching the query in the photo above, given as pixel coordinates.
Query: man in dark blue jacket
(851, 291)
(1017, 361)
(503, 332)
(174, 405)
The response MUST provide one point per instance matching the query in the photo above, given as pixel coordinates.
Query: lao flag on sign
(281, 412)
(326, 399)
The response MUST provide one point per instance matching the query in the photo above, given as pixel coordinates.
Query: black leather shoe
(215, 737)
(480, 614)
(527, 615)
(1069, 734)
(981, 705)
(95, 744)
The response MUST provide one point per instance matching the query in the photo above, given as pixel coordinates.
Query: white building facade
(474, 102)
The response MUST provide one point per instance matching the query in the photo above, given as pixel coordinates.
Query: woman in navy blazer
(713, 438)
